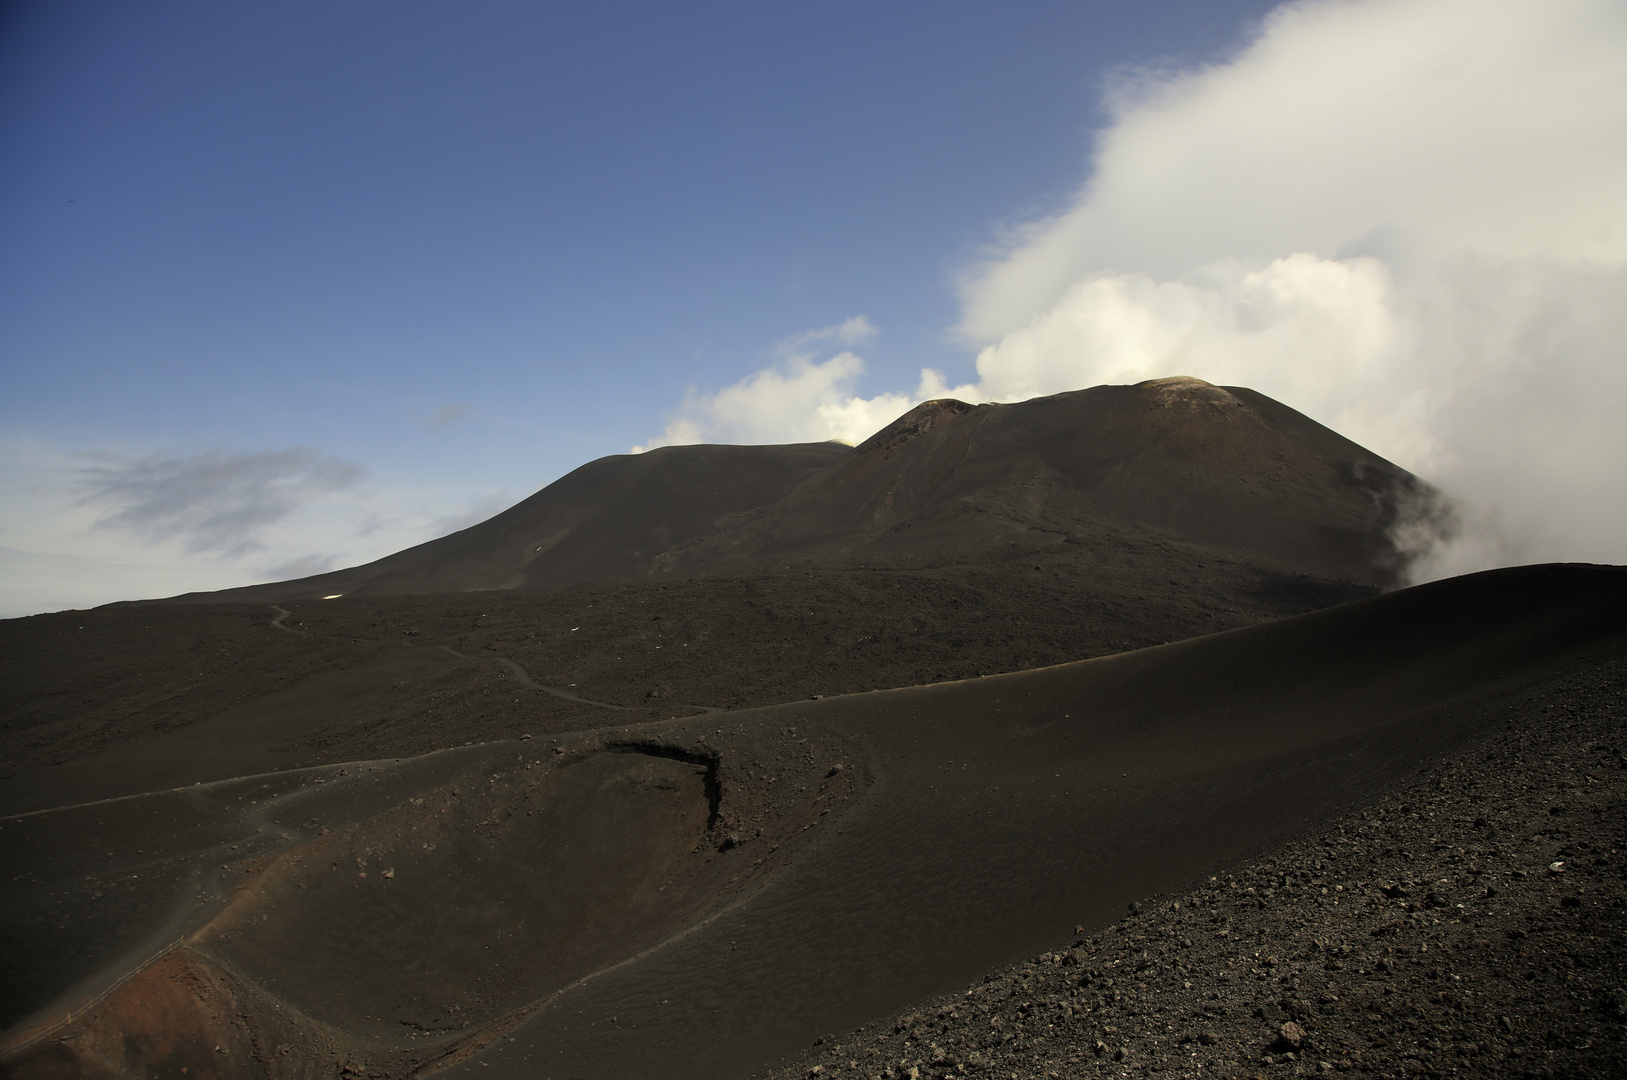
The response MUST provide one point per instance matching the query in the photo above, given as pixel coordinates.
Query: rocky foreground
(1471, 922)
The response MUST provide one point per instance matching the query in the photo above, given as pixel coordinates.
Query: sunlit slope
(699, 897)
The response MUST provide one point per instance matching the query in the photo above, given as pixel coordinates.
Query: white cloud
(81, 527)
(215, 501)
(799, 399)
(849, 332)
(1403, 217)
(1288, 319)
(1489, 125)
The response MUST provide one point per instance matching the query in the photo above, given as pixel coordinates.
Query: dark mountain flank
(1225, 469)
(703, 761)
(702, 897)
(612, 519)
(1220, 469)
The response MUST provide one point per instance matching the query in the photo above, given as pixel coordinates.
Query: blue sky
(321, 223)
(287, 286)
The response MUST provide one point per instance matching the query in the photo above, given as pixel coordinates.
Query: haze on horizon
(292, 289)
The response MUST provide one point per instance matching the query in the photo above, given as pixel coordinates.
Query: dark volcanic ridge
(1222, 469)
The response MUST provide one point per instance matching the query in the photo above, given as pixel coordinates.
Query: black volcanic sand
(1472, 922)
(134, 697)
(706, 895)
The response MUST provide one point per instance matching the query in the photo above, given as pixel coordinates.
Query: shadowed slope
(858, 852)
(1221, 468)
(135, 697)
(607, 520)
(1226, 470)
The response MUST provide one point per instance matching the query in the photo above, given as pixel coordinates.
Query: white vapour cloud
(1500, 380)
(801, 398)
(1403, 217)
(1494, 126)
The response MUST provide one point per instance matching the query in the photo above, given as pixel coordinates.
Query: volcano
(1074, 736)
(1224, 469)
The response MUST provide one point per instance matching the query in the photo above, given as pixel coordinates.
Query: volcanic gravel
(1470, 922)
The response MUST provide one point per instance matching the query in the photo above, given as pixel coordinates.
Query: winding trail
(518, 672)
(527, 681)
(283, 613)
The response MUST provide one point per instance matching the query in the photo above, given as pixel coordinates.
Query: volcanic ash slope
(702, 897)
(1090, 476)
